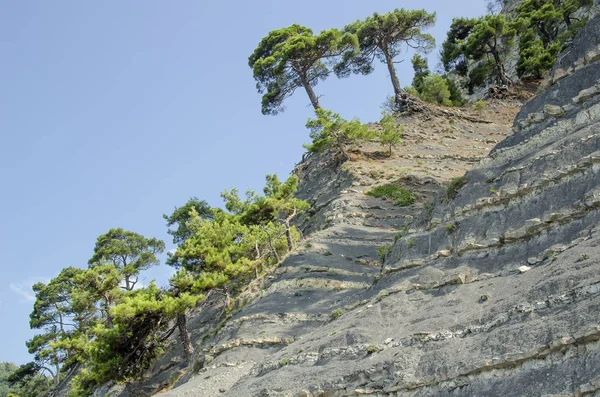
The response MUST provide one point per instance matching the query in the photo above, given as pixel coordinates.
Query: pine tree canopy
(294, 57)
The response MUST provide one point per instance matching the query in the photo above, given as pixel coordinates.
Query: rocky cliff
(491, 286)
(493, 293)
(292, 323)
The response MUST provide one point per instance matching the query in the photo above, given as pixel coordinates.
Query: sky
(115, 112)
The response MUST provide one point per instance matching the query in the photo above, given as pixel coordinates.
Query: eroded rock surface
(493, 293)
(295, 321)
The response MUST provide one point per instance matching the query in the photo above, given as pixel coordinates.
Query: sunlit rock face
(495, 292)
(490, 285)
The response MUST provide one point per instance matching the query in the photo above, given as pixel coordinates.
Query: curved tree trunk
(188, 348)
(288, 236)
(502, 76)
(340, 143)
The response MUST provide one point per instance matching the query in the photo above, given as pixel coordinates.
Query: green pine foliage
(295, 57)
(330, 131)
(124, 351)
(391, 132)
(403, 197)
(181, 216)
(382, 37)
(454, 58)
(456, 96)
(435, 90)
(6, 369)
(421, 69)
(128, 251)
(432, 87)
(23, 381)
(483, 41)
(545, 26)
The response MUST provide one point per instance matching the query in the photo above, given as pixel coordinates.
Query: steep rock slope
(338, 261)
(493, 293)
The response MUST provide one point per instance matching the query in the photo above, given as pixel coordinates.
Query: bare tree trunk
(340, 143)
(109, 320)
(271, 245)
(188, 348)
(288, 231)
(288, 236)
(398, 91)
(227, 299)
(501, 71)
(257, 258)
(57, 376)
(311, 94)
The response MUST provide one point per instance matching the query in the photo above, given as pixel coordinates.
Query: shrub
(337, 313)
(479, 105)
(450, 227)
(330, 130)
(382, 294)
(412, 91)
(391, 133)
(435, 90)
(283, 361)
(383, 252)
(455, 185)
(455, 95)
(402, 196)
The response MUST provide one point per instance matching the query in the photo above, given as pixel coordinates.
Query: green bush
(479, 105)
(455, 95)
(383, 252)
(337, 313)
(455, 185)
(435, 90)
(402, 196)
(283, 361)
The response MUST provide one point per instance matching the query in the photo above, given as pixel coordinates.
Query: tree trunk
(340, 143)
(227, 299)
(273, 250)
(501, 72)
(392, 70)
(288, 235)
(57, 376)
(188, 348)
(109, 320)
(311, 94)
(390, 150)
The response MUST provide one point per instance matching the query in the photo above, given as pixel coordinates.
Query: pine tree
(421, 69)
(181, 216)
(391, 133)
(330, 130)
(482, 40)
(435, 90)
(294, 57)
(129, 252)
(56, 316)
(382, 36)
(545, 26)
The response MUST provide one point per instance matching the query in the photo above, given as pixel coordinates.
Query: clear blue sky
(114, 112)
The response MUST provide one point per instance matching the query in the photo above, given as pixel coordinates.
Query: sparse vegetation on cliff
(100, 321)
